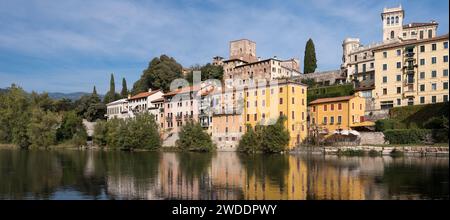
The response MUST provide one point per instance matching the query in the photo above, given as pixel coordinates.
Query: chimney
(149, 89)
(275, 57)
(129, 96)
(259, 58)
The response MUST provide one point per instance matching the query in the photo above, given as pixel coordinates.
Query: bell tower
(392, 19)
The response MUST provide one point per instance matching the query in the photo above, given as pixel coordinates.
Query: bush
(419, 113)
(192, 137)
(268, 139)
(329, 91)
(434, 123)
(440, 135)
(396, 153)
(406, 136)
(374, 153)
(351, 153)
(388, 124)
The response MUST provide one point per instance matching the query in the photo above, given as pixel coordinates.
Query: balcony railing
(169, 118)
(178, 117)
(409, 54)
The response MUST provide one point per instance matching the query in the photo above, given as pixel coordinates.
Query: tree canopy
(310, 61)
(192, 137)
(158, 75)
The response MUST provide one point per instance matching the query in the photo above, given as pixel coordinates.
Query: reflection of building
(338, 113)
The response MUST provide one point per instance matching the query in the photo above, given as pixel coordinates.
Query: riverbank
(378, 150)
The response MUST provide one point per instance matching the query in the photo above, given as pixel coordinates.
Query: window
(433, 74)
(339, 120)
(433, 99)
(399, 90)
(445, 59)
(303, 115)
(433, 47)
(281, 89)
(433, 60)
(399, 102)
(384, 91)
(256, 103)
(353, 105)
(325, 108)
(388, 20)
(303, 91)
(293, 89)
(293, 100)
(422, 48)
(422, 62)
(421, 34)
(293, 114)
(324, 120)
(396, 19)
(399, 78)
(422, 75)
(314, 108)
(445, 45)
(339, 106)
(392, 34)
(399, 52)
(255, 116)
(399, 65)
(385, 54)
(263, 116)
(248, 117)
(384, 79)
(445, 98)
(263, 103)
(445, 85)
(371, 65)
(386, 104)
(422, 100)
(433, 86)
(331, 120)
(384, 67)
(303, 101)
(281, 101)
(410, 101)
(332, 107)
(422, 88)
(445, 72)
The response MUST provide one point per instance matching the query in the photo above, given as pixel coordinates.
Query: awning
(346, 132)
(364, 124)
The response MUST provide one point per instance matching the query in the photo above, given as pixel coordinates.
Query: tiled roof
(183, 90)
(334, 99)
(414, 25)
(144, 94)
(158, 100)
(412, 42)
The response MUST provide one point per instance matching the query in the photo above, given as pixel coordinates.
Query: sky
(72, 45)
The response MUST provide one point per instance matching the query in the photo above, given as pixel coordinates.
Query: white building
(142, 102)
(117, 109)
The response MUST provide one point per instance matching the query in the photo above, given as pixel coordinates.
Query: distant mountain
(3, 90)
(72, 96)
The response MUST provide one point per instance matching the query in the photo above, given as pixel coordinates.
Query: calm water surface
(39, 174)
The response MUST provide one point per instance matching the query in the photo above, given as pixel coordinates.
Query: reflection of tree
(20, 178)
(275, 167)
(194, 165)
(405, 179)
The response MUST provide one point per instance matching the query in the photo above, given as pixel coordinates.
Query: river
(73, 174)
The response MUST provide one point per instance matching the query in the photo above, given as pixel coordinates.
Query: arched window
(396, 20)
(392, 34)
(388, 20)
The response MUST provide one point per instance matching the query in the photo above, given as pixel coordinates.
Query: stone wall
(407, 151)
(371, 138)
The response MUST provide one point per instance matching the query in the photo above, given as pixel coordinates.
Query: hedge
(329, 91)
(415, 136)
(388, 124)
(419, 114)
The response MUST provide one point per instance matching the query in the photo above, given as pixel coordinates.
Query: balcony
(169, 118)
(204, 124)
(178, 117)
(409, 54)
(188, 117)
(409, 93)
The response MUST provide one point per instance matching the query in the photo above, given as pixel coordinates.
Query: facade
(412, 72)
(142, 102)
(324, 78)
(264, 104)
(157, 110)
(338, 113)
(359, 62)
(117, 109)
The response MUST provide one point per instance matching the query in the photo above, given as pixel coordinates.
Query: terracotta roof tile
(144, 94)
(334, 99)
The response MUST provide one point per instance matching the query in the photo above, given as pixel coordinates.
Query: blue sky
(72, 45)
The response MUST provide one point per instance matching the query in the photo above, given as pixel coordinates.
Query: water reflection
(37, 174)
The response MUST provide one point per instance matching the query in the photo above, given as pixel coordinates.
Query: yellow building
(411, 72)
(264, 104)
(338, 113)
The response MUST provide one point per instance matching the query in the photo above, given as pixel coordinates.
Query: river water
(73, 174)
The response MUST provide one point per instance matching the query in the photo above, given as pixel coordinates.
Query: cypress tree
(124, 92)
(94, 92)
(310, 61)
(112, 86)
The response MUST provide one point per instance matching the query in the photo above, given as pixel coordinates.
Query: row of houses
(409, 67)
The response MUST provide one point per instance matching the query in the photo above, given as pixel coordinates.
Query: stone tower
(244, 50)
(392, 19)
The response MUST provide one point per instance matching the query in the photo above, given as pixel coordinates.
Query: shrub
(388, 124)
(351, 152)
(374, 153)
(419, 113)
(250, 141)
(434, 123)
(406, 136)
(192, 137)
(396, 153)
(440, 135)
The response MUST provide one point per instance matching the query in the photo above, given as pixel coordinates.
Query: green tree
(158, 75)
(14, 116)
(100, 133)
(192, 137)
(275, 138)
(125, 91)
(208, 71)
(71, 125)
(111, 95)
(140, 132)
(90, 107)
(250, 142)
(310, 61)
(42, 128)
